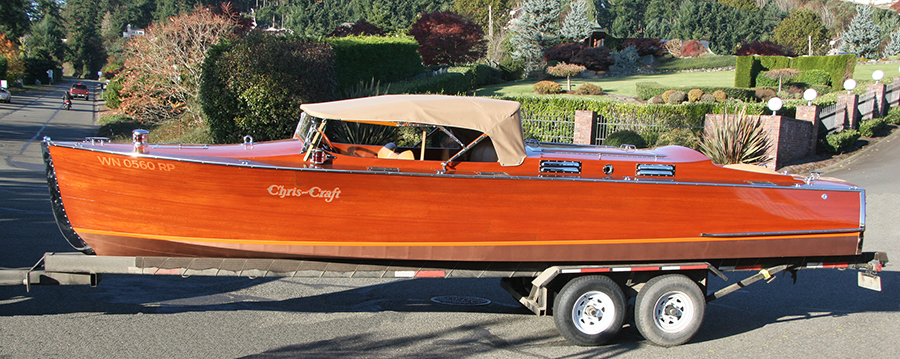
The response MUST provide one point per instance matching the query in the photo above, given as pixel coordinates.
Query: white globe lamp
(877, 75)
(809, 95)
(775, 104)
(849, 85)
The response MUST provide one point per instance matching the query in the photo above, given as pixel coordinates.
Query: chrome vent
(656, 170)
(549, 166)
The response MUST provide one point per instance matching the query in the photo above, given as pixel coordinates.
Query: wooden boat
(490, 196)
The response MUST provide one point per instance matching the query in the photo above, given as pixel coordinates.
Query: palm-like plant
(736, 139)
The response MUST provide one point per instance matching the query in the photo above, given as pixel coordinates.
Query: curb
(840, 164)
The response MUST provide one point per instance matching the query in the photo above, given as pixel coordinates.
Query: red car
(79, 90)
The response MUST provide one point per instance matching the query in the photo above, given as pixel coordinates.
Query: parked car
(79, 90)
(5, 96)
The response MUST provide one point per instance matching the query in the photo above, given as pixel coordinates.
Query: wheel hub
(593, 312)
(674, 311)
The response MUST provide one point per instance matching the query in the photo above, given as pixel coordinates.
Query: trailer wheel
(589, 310)
(669, 309)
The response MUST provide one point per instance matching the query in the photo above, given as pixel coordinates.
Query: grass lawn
(620, 85)
(864, 71)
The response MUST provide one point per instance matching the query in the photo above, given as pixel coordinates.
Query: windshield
(79, 86)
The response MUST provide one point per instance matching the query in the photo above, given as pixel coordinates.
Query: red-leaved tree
(448, 38)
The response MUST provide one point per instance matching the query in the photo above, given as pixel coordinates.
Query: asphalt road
(824, 315)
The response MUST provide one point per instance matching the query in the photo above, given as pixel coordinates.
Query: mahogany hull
(144, 205)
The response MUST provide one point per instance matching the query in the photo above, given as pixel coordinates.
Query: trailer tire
(589, 310)
(669, 309)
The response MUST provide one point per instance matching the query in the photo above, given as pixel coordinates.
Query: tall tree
(863, 36)
(628, 18)
(803, 32)
(86, 52)
(481, 11)
(14, 18)
(576, 26)
(535, 30)
(893, 47)
(46, 38)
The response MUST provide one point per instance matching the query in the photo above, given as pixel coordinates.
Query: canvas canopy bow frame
(498, 120)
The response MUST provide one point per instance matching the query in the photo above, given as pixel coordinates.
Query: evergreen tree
(863, 36)
(45, 40)
(86, 52)
(800, 30)
(576, 25)
(536, 29)
(628, 18)
(14, 18)
(893, 47)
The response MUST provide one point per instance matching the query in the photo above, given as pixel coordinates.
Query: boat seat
(483, 152)
(390, 151)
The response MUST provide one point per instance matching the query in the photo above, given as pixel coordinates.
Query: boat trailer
(670, 298)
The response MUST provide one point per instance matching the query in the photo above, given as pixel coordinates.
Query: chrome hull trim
(788, 233)
(225, 161)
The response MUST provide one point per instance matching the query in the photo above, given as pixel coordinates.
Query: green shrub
(588, 89)
(764, 94)
(838, 142)
(873, 127)
(678, 136)
(720, 95)
(646, 90)
(665, 95)
(254, 86)
(893, 115)
(111, 95)
(512, 69)
(546, 87)
(763, 81)
(815, 77)
(626, 137)
(385, 59)
(656, 100)
(707, 98)
(694, 95)
(676, 98)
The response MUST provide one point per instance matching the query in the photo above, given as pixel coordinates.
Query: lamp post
(809, 95)
(775, 104)
(849, 85)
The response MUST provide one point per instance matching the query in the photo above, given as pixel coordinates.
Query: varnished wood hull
(170, 205)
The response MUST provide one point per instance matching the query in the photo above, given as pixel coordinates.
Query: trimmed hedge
(385, 59)
(456, 80)
(839, 67)
(646, 90)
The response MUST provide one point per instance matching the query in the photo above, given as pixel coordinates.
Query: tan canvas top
(499, 119)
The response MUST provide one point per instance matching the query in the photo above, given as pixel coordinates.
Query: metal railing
(549, 128)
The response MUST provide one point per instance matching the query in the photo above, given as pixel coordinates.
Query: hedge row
(384, 59)
(840, 67)
(646, 90)
(456, 80)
